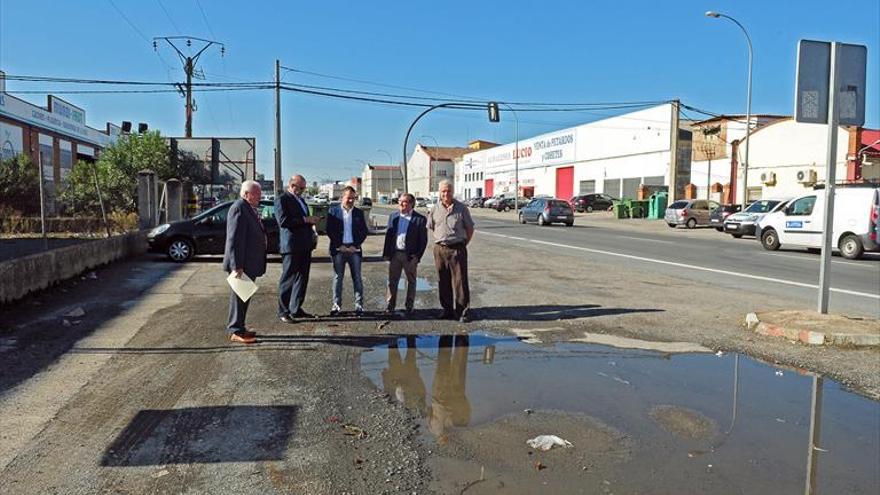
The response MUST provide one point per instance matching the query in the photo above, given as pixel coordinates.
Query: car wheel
(506, 209)
(851, 247)
(589, 209)
(522, 219)
(541, 220)
(691, 223)
(180, 250)
(737, 236)
(569, 224)
(671, 225)
(770, 240)
(719, 229)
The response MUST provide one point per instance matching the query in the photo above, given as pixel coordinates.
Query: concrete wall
(21, 276)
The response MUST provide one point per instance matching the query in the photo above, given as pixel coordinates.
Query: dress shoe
(359, 311)
(286, 319)
(446, 315)
(303, 314)
(242, 338)
(249, 333)
(464, 319)
(334, 311)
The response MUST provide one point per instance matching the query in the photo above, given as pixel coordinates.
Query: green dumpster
(658, 204)
(620, 208)
(320, 210)
(638, 209)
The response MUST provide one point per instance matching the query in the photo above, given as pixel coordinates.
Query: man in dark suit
(245, 253)
(295, 244)
(347, 230)
(405, 242)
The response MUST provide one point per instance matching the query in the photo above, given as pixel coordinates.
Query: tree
(117, 170)
(19, 185)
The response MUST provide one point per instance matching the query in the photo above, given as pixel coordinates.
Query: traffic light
(494, 115)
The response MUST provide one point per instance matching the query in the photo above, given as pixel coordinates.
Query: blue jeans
(354, 264)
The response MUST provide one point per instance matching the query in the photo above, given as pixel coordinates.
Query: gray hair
(444, 182)
(247, 186)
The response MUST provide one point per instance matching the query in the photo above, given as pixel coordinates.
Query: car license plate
(715, 220)
(733, 226)
(562, 217)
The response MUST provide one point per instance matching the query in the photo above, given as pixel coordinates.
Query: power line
(168, 66)
(173, 24)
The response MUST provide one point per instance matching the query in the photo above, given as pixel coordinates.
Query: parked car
(743, 223)
(490, 203)
(689, 212)
(591, 202)
(421, 202)
(546, 211)
(716, 218)
(508, 204)
(800, 223)
(205, 233)
(365, 201)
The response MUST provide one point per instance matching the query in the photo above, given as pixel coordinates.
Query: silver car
(744, 222)
(689, 212)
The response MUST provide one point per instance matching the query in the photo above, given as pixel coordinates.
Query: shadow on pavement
(544, 312)
(42, 336)
(203, 435)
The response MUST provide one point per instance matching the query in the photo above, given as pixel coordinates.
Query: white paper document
(244, 287)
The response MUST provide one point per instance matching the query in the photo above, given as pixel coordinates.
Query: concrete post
(148, 199)
(174, 200)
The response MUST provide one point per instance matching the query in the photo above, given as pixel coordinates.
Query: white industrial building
(612, 156)
(428, 166)
(381, 180)
(788, 158)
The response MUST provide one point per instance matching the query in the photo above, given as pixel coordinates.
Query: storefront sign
(21, 110)
(67, 110)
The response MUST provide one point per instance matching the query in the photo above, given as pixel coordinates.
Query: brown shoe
(242, 338)
(249, 333)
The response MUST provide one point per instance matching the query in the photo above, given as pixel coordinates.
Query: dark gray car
(545, 211)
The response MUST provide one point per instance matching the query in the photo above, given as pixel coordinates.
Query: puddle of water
(422, 285)
(641, 421)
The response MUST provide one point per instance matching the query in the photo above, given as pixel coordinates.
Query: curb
(810, 337)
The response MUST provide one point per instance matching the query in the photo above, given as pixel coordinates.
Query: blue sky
(563, 51)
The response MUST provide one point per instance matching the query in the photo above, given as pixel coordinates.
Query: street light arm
(515, 158)
(406, 138)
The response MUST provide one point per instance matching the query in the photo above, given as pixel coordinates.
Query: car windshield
(762, 206)
(212, 211)
(560, 204)
(679, 205)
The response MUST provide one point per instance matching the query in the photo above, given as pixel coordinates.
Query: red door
(565, 182)
(490, 188)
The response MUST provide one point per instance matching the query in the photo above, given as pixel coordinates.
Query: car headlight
(754, 218)
(160, 229)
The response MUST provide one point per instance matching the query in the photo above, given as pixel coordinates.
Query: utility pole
(673, 150)
(189, 67)
(278, 186)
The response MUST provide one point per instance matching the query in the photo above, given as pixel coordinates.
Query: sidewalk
(812, 328)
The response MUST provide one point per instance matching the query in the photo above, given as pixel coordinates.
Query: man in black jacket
(405, 242)
(347, 230)
(245, 253)
(295, 244)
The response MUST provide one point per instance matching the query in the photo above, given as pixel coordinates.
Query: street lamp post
(390, 173)
(515, 159)
(716, 15)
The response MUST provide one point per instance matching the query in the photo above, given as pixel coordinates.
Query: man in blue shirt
(347, 230)
(405, 242)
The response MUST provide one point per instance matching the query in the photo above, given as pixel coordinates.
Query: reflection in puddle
(640, 420)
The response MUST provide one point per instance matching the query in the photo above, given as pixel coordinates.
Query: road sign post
(830, 89)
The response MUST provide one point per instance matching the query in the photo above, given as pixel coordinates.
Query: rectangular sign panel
(811, 83)
(852, 63)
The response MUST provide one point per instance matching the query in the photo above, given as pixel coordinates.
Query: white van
(856, 218)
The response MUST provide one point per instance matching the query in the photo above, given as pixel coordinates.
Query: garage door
(565, 182)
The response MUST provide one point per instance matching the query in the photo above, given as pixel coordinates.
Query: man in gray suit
(296, 240)
(245, 253)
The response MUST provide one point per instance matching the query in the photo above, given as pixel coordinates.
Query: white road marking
(815, 259)
(694, 267)
(646, 239)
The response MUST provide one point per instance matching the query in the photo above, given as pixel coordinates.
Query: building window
(587, 187)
